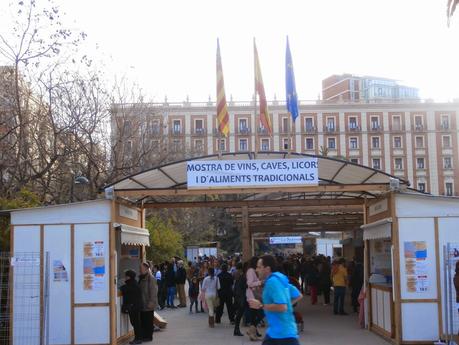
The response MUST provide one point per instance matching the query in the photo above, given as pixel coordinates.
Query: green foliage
(23, 199)
(165, 241)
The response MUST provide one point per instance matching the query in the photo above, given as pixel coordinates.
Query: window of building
(243, 126)
(285, 125)
(374, 123)
(353, 143)
(176, 145)
(221, 145)
(155, 127)
(176, 126)
(445, 121)
(155, 145)
(331, 124)
(419, 142)
(396, 123)
(397, 142)
(398, 162)
(449, 188)
(309, 124)
(199, 126)
(376, 162)
(128, 149)
(418, 122)
(243, 145)
(309, 143)
(353, 123)
(375, 142)
(420, 163)
(422, 187)
(446, 142)
(285, 143)
(199, 145)
(355, 160)
(447, 163)
(331, 143)
(265, 144)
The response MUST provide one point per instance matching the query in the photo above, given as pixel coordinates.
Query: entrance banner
(285, 240)
(221, 174)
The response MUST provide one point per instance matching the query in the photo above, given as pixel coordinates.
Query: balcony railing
(310, 129)
(375, 128)
(176, 131)
(354, 128)
(445, 126)
(263, 131)
(330, 129)
(418, 128)
(199, 131)
(243, 130)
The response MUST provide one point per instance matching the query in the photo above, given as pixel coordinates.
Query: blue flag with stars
(292, 97)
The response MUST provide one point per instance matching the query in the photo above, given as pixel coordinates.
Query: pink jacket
(253, 284)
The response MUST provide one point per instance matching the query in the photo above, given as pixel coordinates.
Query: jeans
(283, 341)
(171, 292)
(338, 302)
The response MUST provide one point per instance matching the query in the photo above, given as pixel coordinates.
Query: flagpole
(257, 125)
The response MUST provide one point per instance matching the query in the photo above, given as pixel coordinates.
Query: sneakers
(135, 341)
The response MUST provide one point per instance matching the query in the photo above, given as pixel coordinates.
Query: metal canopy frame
(335, 204)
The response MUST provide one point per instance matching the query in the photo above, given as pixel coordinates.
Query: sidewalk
(321, 328)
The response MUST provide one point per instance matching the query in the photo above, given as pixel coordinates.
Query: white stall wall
(419, 320)
(92, 325)
(26, 302)
(448, 232)
(57, 244)
(90, 233)
(418, 229)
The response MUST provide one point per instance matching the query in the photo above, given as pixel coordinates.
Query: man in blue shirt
(278, 298)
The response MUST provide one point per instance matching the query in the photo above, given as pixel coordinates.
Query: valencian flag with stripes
(222, 108)
(260, 89)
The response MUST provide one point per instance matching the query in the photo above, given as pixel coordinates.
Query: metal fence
(24, 306)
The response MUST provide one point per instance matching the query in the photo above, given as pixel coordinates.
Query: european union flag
(292, 97)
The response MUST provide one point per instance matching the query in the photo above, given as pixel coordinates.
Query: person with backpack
(277, 303)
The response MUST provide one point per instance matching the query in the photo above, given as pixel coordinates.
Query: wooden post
(112, 276)
(245, 236)
(396, 273)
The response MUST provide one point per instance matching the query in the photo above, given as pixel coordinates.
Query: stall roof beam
(275, 204)
(301, 229)
(307, 189)
(301, 209)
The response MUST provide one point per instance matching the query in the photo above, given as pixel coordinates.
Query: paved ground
(321, 328)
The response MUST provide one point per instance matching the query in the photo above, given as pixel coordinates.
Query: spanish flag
(222, 109)
(260, 89)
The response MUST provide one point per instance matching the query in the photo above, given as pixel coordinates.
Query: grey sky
(169, 47)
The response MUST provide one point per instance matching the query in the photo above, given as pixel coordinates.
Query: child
(193, 292)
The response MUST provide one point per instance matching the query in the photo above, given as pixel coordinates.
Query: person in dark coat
(171, 285)
(193, 293)
(149, 293)
(240, 301)
(132, 304)
(356, 285)
(180, 279)
(324, 280)
(162, 287)
(313, 281)
(225, 294)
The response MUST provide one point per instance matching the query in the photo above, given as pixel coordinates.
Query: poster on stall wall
(59, 271)
(453, 257)
(94, 265)
(417, 278)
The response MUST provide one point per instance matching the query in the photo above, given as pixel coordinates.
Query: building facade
(415, 141)
(352, 88)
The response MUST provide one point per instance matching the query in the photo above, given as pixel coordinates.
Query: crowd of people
(255, 292)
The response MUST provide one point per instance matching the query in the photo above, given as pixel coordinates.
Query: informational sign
(59, 272)
(128, 212)
(252, 173)
(285, 240)
(416, 266)
(25, 261)
(94, 265)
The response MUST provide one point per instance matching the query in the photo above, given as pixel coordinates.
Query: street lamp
(77, 180)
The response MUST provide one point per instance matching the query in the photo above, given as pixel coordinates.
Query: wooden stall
(88, 245)
(404, 237)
